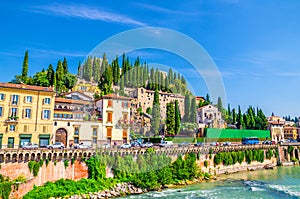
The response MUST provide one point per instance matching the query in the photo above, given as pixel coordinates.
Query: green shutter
(25, 135)
(45, 136)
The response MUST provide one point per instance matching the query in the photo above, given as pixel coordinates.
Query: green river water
(282, 182)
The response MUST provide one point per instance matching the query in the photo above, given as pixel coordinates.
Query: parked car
(267, 142)
(184, 144)
(30, 146)
(56, 145)
(291, 140)
(214, 144)
(226, 143)
(135, 144)
(147, 144)
(105, 146)
(81, 146)
(166, 144)
(198, 144)
(125, 146)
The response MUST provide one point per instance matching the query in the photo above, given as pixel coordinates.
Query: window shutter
(122, 104)
(23, 113)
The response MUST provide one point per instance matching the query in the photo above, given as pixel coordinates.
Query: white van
(166, 144)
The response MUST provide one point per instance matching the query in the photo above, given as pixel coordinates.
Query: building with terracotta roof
(26, 115)
(290, 132)
(143, 98)
(275, 125)
(114, 112)
(210, 116)
(75, 122)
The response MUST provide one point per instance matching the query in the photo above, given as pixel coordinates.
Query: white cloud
(165, 10)
(85, 12)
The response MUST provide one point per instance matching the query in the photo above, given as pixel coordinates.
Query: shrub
(206, 163)
(66, 163)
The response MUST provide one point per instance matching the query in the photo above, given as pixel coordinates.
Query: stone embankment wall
(15, 162)
(49, 173)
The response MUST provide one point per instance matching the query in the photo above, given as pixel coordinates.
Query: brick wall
(50, 173)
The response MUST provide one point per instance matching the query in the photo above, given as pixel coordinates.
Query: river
(282, 182)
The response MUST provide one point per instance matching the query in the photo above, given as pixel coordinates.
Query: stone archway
(61, 135)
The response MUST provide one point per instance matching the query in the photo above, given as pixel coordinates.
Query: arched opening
(61, 135)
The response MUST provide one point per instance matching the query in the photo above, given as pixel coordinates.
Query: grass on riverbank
(150, 171)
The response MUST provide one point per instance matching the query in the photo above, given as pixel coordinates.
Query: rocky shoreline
(119, 190)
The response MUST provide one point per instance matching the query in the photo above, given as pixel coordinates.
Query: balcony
(12, 119)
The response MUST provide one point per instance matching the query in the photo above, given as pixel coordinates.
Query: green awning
(45, 136)
(1, 135)
(25, 135)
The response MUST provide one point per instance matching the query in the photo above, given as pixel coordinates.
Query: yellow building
(25, 115)
(290, 132)
(86, 87)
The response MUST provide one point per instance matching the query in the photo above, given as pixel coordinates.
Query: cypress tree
(105, 85)
(122, 86)
(177, 117)
(193, 111)
(220, 105)
(65, 66)
(50, 75)
(170, 120)
(60, 76)
(186, 108)
(233, 116)
(155, 121)
(229, 110)
(79, 73)
(239, 119)
(25, 68)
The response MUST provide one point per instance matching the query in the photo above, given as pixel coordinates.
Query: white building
(210, 116)
(114, 111)
(275, 125)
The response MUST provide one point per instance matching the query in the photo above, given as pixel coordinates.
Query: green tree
(50, 75)
(233, 116)
(155, 121)
(187, 108)
(60, 77)
(105, 85)
(65, 66)
(170, 120)
(25, 68)
(149, 110)
(177, 117)
(193, 111)
(220, 105)
(40, 79)
(96, 69)
(239, 119)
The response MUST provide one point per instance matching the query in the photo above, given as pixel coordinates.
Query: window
(28, 99)
(1, 96)
(95, 132)
(94, 140)
(76, 140)
(1, 111)
(44, 129)
(27, 113)
(25, 128)
(13, 113)
(12, 128)
(11, 142)
(109, 103)
(15, 99)
(76, 131)
(46, 114)
(109, 117)
(109, 132)
(47, 100)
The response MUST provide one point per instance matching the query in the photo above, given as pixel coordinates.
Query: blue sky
(255, 44)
